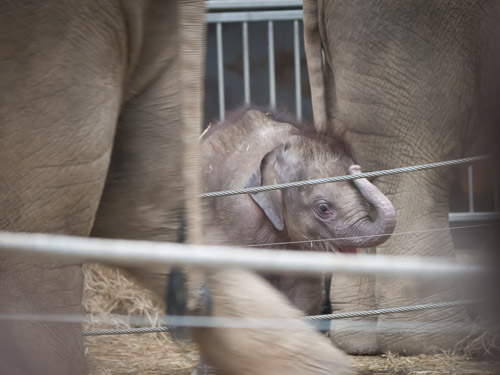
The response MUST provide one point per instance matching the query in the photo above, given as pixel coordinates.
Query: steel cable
(314, 318)
(391, 310)
(422, 231)
(260, 189)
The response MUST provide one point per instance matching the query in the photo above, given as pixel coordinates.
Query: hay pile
(108, 290)
(476, 354)
(431, 364)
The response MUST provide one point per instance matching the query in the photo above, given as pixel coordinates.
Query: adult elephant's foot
(429, 330)
(423, 331)
(425, 220)
(350, 293)
(407, 333)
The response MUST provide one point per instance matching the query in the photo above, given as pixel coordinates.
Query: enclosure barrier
(255, 16)
(313, 318)
(415, 168)
(288, 324)
(130, 252)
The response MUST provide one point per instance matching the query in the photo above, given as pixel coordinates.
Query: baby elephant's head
(339, 212)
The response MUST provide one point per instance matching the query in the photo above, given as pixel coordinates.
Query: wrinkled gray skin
(252, 148)
(100, 112)
(94, 96)
(410, 82)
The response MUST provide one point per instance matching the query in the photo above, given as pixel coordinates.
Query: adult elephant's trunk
(367, 233)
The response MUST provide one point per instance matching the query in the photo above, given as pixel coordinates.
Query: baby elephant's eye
(323, 207)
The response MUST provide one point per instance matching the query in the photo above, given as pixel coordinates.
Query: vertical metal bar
(220, 71)
(471, 189)
(495, 190)
(272, 82)
(296, 53)
(246, 63)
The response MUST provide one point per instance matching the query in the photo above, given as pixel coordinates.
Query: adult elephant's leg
(161, 119)
(347, 292)
(407, 93)
(58, 107)
(419, 210)
(350, 293)
(143, 196)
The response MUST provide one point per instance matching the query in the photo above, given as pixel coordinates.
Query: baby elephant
(252, 148)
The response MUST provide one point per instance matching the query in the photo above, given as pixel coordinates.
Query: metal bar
(296, 53)
(288, 324)
(471, 188)
(246, 63)
(272, 81)
(273, 15)
(357, 326)
(128, 252)
(220, 71)
(459, 217)
(238, 4)
(495, 190)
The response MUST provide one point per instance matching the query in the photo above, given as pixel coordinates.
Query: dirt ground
(109, 290)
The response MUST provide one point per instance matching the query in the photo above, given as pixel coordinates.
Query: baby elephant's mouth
(348, 249)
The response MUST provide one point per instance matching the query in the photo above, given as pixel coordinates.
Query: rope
(314, 318)
(259, 189)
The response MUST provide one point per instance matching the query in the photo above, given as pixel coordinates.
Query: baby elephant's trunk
(368, 233)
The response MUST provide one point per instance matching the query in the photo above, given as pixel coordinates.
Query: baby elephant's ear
(271, 202)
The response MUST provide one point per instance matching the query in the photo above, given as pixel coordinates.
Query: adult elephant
(410, 82)
(100, 113)
(99, 102)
